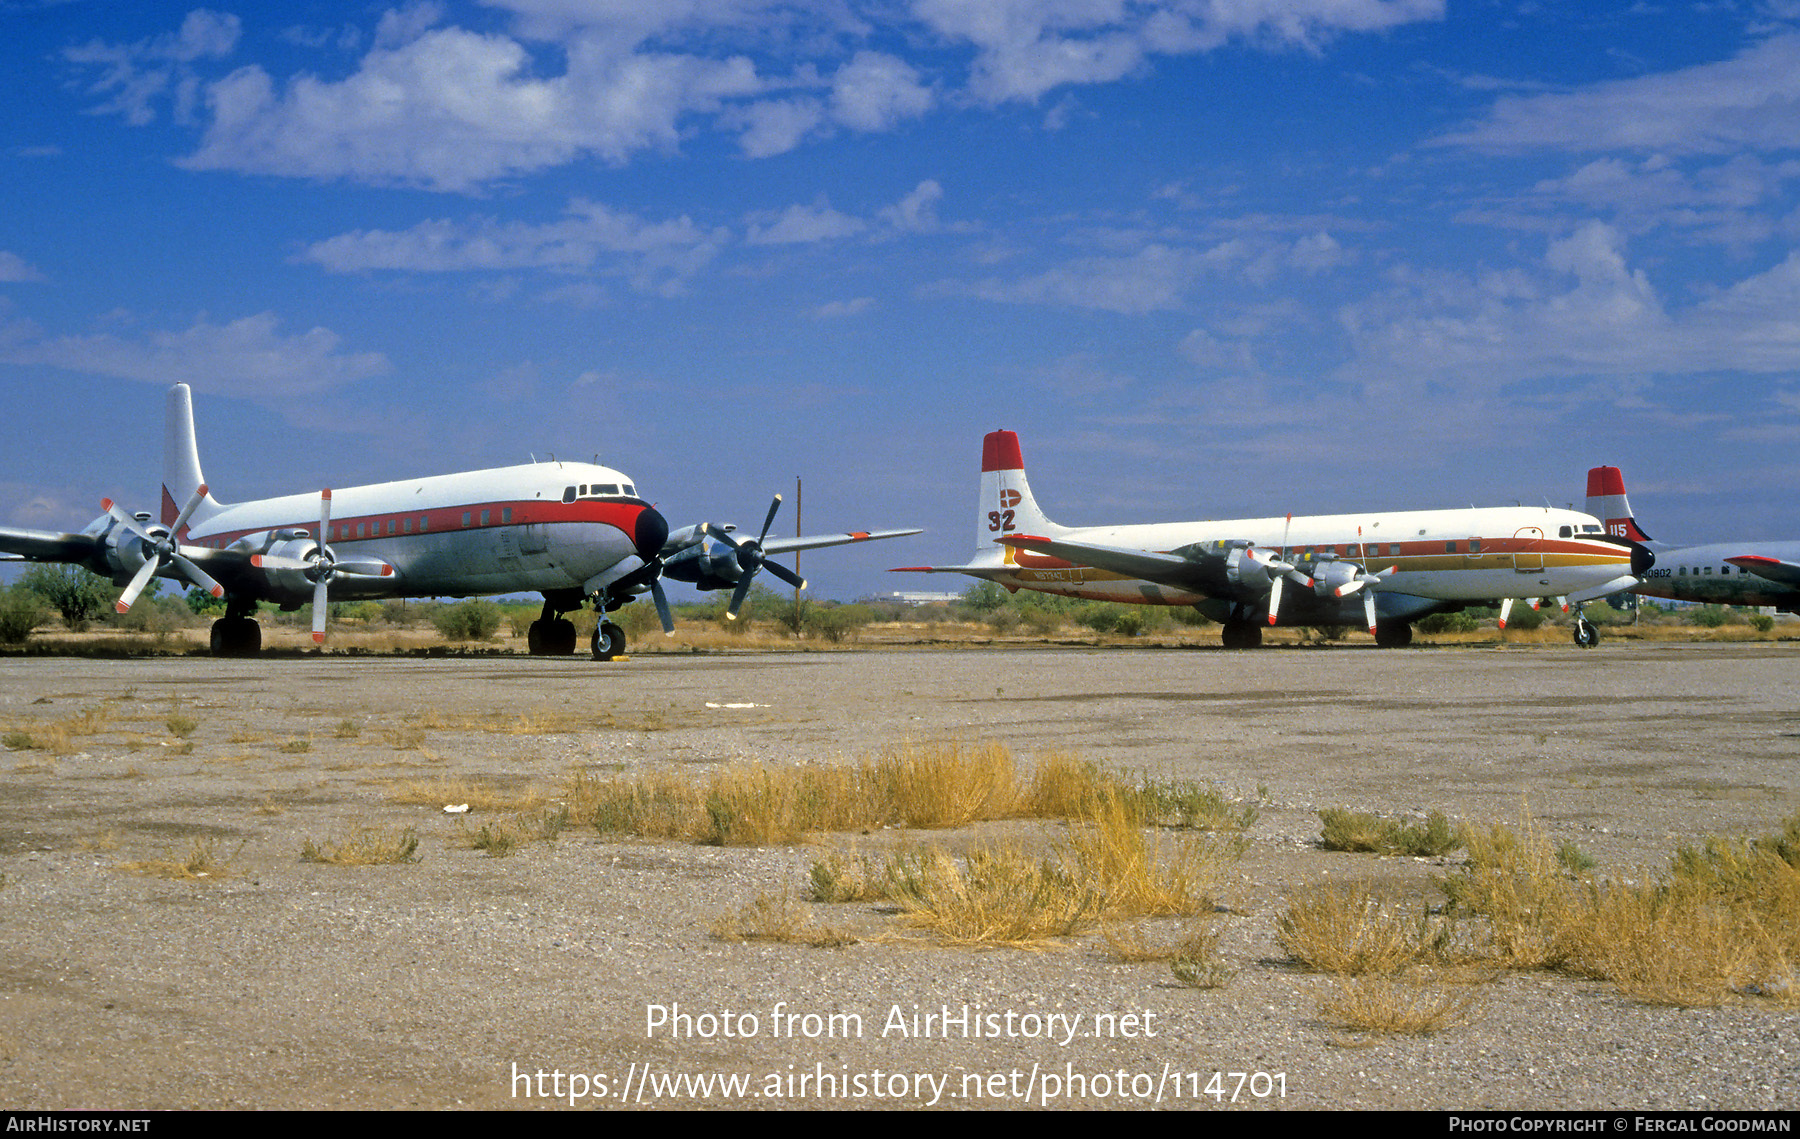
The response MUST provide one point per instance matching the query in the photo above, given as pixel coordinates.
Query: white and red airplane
(1404, 564)
(576, 532)
(1759, 572)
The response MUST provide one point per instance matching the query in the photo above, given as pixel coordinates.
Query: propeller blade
(785, 574)
(319, 610)
(198, 576)
(123, 519)
(324, 516)
(719, 533)
(138, 581)
(363, 567)
(769, 520)
(1369, 609)
(1505, 610)
(1275, 597)
(662, 606)
(737, 597)
(187, 511)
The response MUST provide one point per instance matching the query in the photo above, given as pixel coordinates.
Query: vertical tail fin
(181, 461)
(1606, 501)
(1006, 506)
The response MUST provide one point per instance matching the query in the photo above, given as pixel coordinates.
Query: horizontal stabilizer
(1774, 569)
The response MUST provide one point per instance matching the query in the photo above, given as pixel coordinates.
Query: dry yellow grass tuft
(365, 846)
(783, 918)
(1347, 930)
(995, 896)
(1386, 1005)
(201, 863)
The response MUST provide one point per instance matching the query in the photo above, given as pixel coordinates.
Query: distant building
(910, 597)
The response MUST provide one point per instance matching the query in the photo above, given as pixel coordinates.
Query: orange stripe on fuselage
(621, 515)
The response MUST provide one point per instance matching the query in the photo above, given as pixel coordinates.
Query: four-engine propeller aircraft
(1724, 573)
(1254, 572)
(576, 532)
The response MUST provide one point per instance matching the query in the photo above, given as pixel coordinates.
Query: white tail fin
(181, 461)
(1007, 506)
(1606, 501)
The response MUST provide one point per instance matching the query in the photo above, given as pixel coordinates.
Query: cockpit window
(631, 490)
(1566, 532)
(568, 494)
(1590, 529)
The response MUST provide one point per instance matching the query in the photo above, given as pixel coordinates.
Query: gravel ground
(455, 980)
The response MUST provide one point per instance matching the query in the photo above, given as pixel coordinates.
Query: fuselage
(539, 526)
(1444, 555)
(1702, 574)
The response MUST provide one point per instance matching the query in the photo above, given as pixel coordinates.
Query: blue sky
(1211, 258)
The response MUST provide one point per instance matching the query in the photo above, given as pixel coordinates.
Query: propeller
(750, 559)
(321, 567)
(160, 551)
(1280, 571)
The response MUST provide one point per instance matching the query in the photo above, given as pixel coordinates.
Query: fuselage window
(484, 518)
(1474, 545)
(1707, 571)
(506, 515)
(424, 525)
(406, 526)
(465, 518)
(361, 529)
(1449, 547)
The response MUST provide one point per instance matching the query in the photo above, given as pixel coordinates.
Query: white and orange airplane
(1256, 572)
(1756, 572)
(576, 532)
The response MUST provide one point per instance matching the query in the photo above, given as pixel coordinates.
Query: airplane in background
(1724, 573)
(1254, 572)
(576, 532)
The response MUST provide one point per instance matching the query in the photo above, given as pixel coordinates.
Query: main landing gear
(552, 634)
(1241, 635)
(237, 634)
(1393, 634)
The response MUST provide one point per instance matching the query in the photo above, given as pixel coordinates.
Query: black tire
(534, 639)
(1586, 635)
(1393, 635)
(563, 637)
(608, 641)
(1241, 635)
(236, 637)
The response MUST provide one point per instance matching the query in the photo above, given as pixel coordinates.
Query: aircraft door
(1528, 550)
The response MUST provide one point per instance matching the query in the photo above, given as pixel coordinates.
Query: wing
(1200, 575)
(819, 541)
(1774, 569)
(49, 546)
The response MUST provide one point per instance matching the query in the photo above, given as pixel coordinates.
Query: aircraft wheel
(236, 637)
(1395, 635)
(563, 637)
(1586, 635)
(608, 641)
(1241, 635)
(534, 639)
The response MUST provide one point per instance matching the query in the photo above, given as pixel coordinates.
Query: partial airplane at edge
(575, 532)
(1724, 573)
(1249, 573)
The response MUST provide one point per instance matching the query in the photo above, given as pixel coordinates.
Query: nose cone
(650, 534)
(1642, 558)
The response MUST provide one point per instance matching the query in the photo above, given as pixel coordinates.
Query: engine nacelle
(705, 566)
(283, 576)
